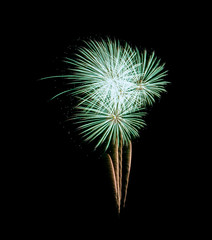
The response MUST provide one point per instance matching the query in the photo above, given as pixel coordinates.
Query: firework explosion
(113, 84)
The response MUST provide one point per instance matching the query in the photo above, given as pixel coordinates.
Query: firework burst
(107, 122)
(113, 84)
(148, 78)
(103, 69)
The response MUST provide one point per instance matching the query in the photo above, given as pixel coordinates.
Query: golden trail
(127, 156)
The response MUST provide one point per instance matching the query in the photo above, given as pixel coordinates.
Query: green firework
(107, 122)
(113, 83)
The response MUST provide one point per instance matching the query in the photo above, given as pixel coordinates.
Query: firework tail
(115, 159)
(120, 170)
(112, 177)
(127, 156)
(119, 162)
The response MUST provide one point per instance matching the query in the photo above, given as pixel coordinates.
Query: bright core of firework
(113, 83)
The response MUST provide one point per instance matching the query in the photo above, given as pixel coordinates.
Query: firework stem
(120, 168)
(115, 160)
(112, 177)
(127, 156)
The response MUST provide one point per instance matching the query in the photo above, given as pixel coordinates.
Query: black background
(64, 187)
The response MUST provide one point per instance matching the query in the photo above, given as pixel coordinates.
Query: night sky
(65, 181)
